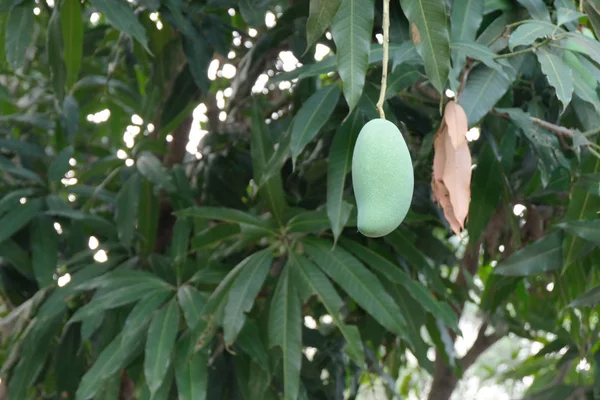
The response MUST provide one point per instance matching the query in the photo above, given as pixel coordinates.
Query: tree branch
(482, 343)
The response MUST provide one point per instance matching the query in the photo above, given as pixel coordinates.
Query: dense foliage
(137, 262)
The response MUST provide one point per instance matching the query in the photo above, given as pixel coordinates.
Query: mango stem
(386, 44)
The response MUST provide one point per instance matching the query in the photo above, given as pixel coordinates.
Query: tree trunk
(444, 381)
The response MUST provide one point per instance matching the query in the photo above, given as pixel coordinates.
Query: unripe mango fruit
(382, 176)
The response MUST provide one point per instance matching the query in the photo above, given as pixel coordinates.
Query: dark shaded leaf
(321, 13)
(540, 256)
(71, 20)
(121, 16)
(19, 32)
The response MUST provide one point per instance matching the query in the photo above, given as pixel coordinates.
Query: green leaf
(484, 88)
(320, 285)
(545, 144)
(285, 331)
(15, 255)
(243, 291)
(148, 213)
(122, 17)
(71, 20)
(590, 298)
(566, 15)
(70, 117)
(582, 44)
(402, 77)
(262, 149)
(214, 234)
(281, 154)
(19, 32)
(160, 343)
(251, 343)
(465, 19)
(394, 274)
(108, 363)
(140, 316)
(429, 27)
(352, 29)
(308, 221)
(125, 292)
(20, 216)
(60, 165)
(407, 53)
(191, 375)
(592, 9)
(32, 357)
(320, 14)
(478, 52)
(54, 45)
(191, 302)
(558, 74)
(44, 250)
(487, 184)
(529, 32)
(587, 230)
(340, 161)
(311, 117)
(358, 282)
(537, 9)
(540, 256)
(582, 206)
(254, 11)
(199, 54)
(225, 214)
(152, 169)
(127, 204)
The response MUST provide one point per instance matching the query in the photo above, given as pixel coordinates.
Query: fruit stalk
(386, 43)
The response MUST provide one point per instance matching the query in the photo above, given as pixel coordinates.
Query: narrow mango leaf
(225, 214)
(320, 285)
(32, 358)
(395, 274)
(582, 206)
(488, 181)
(15, 255)
(262, 149)
(429, 27)
(465, 18)
(140, 316)
(191, 375)
(582, 44)
(308, 221)
(214, 234)
(320, 15)
(44, 250)
(485, 87)
(590, 298)
(401, 78)
(529, 32)
(250, 341)
(159, 345)
(152, 169)
(254, 11)
(477, 52)
(60, 165)
(592, 9)
(340, 160)
(352, 29)
(126, 210)
(19, 32)
(191, 302)
(149, 208)
(285, 331)
(71, 20)
(540, 256)
(108, 363)
(360, 283)
(279, 157)
(537, 9)
(587, 230)
(566, 15)
(311, 117)
(558, 74)
(122, 17)
(20, 216)
(243, 291)
(54, 47)
(407, 53)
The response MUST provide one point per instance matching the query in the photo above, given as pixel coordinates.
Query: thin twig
(464, 76)
(386, 43)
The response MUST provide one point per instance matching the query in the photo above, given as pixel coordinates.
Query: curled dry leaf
(451, 181)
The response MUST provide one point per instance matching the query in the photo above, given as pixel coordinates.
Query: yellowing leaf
(452, 167)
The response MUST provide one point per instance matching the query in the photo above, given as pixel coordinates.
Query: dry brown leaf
(452, 167)
(416, 35)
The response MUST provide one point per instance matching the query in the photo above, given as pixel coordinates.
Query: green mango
(382, 177)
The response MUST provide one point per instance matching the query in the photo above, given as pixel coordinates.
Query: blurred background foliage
(177, 219)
